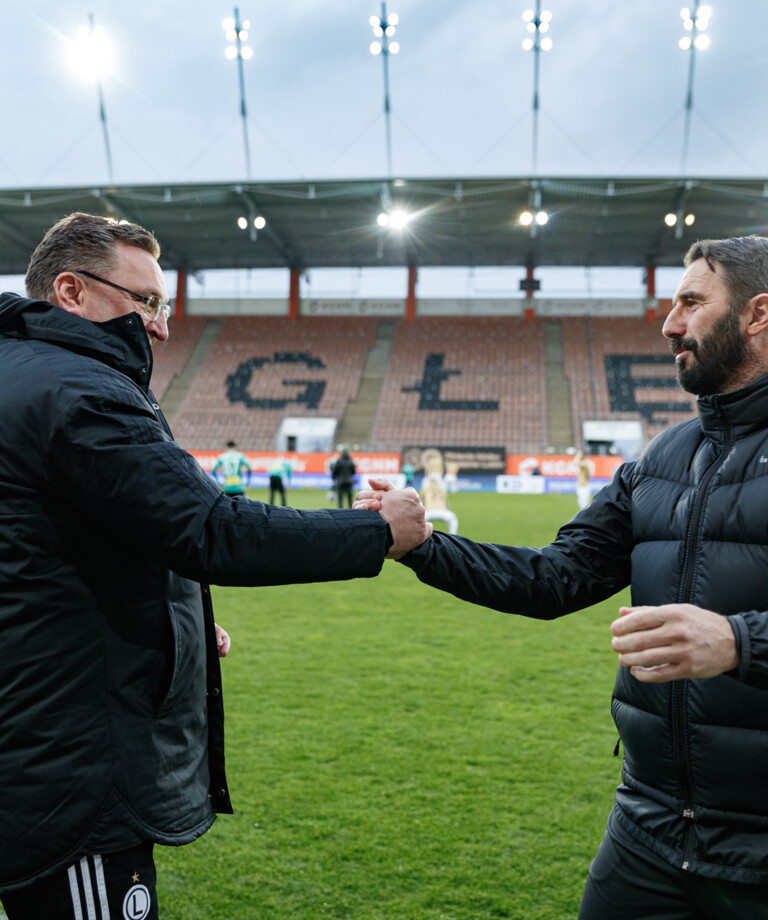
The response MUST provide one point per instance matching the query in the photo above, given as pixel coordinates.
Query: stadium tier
(525, 385)
(631, 373)
(171, 357)
(464, 381)
(258, 370)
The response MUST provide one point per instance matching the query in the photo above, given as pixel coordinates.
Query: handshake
(401, 509)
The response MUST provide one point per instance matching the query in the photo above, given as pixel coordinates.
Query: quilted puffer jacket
(686, 522)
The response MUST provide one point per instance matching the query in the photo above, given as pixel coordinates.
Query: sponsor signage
(367, 464)
(352, 307)
(521, 485)
(560, 466)
(479, 469)
(465, 461)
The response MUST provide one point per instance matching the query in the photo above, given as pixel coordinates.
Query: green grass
(395, 754)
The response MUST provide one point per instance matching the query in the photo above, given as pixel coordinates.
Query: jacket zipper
(679, 689)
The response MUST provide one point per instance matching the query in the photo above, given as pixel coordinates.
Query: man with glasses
(110, 699)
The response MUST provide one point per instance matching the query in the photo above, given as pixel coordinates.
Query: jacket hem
(625, 831)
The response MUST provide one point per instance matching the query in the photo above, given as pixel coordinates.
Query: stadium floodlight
(534, 216)
(395, 219)
(384, 28)
(677, 220)
(695, 23)
(237, 33)
(399, 219)
(90, 54)
(257, 222)
(91, 57)
(537, 22)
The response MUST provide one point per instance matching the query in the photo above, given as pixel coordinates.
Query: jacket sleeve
(588, 561)
(751, 631)
(111, 458)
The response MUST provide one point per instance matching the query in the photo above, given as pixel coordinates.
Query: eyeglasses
(152, 306)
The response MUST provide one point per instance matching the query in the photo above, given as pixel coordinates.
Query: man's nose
(673, 325)
(159, 328)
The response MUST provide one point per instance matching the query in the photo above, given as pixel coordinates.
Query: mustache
(681, 344)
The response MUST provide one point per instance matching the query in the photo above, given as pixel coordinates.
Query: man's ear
(69, 293)
(757, 316)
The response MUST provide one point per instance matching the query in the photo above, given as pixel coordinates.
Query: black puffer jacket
(110, 729)
(686, 522)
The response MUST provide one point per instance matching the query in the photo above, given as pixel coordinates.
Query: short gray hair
(83, 241)
(744, 262)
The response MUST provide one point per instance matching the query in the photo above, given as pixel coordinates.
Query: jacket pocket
(170, 679)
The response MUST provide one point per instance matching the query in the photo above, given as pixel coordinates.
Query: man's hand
(401, 509)
(673, 642)
(222, 641)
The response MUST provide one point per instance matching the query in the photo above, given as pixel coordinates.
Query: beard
(716, 358)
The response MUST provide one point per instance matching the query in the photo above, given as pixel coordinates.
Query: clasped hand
(673, 641)
(401, 509)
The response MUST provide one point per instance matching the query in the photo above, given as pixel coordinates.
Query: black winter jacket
(687, 522)
(111, 723)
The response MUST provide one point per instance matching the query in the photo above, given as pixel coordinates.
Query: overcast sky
(612, 91)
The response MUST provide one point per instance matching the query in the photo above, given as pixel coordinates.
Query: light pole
(695, 22)
(237, 33)
(384, 27)
(537, 23)
(90, 55)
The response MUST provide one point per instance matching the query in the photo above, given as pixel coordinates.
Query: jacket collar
(121, 343)
(741, 411)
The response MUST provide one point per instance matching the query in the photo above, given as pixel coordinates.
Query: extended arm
(154, 499)
(589, 560)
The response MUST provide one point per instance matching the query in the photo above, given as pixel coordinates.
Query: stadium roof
(456, 222)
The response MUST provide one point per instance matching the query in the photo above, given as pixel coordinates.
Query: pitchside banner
(544, 474)
(560, 466)
(465, 461)
(477, 469)
(311, 471)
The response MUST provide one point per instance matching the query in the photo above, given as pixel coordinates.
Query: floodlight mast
(696, 23)
(384, 27)
(538, 21)
(237, 32)
(100, 92)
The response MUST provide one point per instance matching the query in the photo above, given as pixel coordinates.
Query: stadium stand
(463, 381)
(621, 368)
(171, 357)
(259, 370)
(460, 381)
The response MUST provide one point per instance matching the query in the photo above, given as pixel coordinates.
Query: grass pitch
(396, 754)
